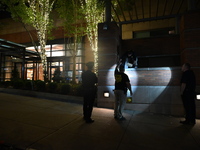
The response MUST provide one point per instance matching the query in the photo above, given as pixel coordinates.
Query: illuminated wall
(155, 89)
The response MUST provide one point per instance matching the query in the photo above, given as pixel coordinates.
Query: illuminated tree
(35, 13)
(93, 11)
(38, 13)
(70, 12)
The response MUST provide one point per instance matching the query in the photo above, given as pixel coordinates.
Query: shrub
(65, 88)
(40, 85)
(52, 87)
(18, 84)
(76, 89)
(5, 84)
(28, 85)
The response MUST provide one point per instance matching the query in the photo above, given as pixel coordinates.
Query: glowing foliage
(70, 12)
(93, 11)
(35, 13)
(38, 13)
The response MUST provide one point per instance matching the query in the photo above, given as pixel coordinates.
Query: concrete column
(108, 44)
(190, 37)
(190, 42)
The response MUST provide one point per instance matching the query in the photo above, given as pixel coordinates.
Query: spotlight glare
(198, 97)
(106, 94)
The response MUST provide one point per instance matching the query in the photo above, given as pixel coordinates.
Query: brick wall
(145, 77)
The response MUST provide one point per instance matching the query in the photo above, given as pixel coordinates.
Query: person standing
(89, 80)
(188, 85)
(122, 83)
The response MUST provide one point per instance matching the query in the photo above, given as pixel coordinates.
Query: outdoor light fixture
(105, 26)
(198, 96)
(106, 94)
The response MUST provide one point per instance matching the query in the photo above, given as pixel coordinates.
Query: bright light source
(198, 96)
(106, 94)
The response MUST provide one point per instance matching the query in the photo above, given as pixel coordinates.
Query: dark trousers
(88, 102)
(189, 106)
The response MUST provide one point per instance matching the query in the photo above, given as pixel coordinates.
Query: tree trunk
(74, 60)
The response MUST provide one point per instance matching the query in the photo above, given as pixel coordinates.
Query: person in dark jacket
(89, 80)
(122, 83)
(188, 85)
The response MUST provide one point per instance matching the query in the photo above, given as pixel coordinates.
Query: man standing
(188, 85)
(89, 80)
(122, 83)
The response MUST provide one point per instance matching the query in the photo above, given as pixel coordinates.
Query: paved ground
(28, 123)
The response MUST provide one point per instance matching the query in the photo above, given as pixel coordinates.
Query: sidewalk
(29, 123)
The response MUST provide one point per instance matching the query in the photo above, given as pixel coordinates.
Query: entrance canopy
(9, 48)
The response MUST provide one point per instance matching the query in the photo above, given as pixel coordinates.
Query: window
(61, 55)
(58, 53)
(58, 50)
(154, 33)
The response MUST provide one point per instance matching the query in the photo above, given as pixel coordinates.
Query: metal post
(108, 11)
(191, 5)
(23, 63)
